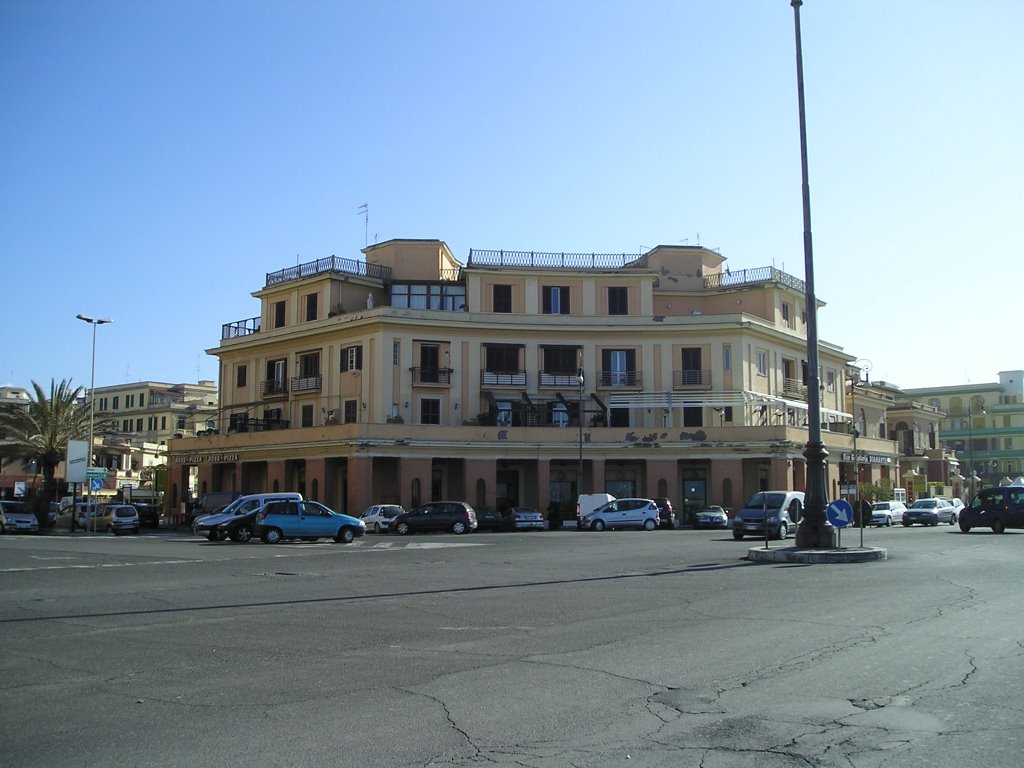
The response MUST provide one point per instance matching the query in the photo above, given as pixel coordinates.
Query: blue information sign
(840, 513)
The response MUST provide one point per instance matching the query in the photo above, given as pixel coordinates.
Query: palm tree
(39, 431)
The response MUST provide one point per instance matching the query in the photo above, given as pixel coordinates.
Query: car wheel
(737, 535)
(241, 534)
(783, 531)
(403, 529)
(345, 535)
(597, 525)
(888, 522)
(649, 525)
(215, 535)
(998, 526)
(376, 527)
(964, 527)
(458, 527)
(952, 519)
(906, 523)
(271, 536)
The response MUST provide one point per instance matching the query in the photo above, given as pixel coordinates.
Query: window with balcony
(618, 300)
(275, 382)
(278, 311)
(691, 371)
(429, 368)
(618, 368)
(430, 411)
(309, 365)
(560, 366)
(502, 366)
(502, 298)
(555, 299)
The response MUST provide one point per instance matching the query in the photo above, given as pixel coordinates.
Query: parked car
(150, 516)
(378, 517)
(306, 520)
(455, 516)
(887, 512)
(16, 517)
(237, 521)
(525, 519)
(586, 503)
(209, 503)
(711, 517)
(997, 508)
(782, 508)
(493, 520)
(120, 518)
(624, 513)
(666, 515)
(930, 512)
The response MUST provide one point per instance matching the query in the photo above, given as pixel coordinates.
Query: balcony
(439, 376)
(240, 328)
(306, 384)
(794, 388)
(331, 264)
(560, 380)
(691, 379)
(274, 388)
(619, 379)
(502, 378)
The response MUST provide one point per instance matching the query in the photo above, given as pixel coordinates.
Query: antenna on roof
(364, 211)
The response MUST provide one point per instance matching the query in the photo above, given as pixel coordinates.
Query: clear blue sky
(159, 157)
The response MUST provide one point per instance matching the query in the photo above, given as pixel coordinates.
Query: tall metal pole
(579, 377)
(814, 530)
(92, 418)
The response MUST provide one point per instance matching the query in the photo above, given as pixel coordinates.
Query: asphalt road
(537, 649)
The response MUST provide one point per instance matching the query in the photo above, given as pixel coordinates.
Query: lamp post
(580, 381)
(862, 367)
(92, 413)
(970, 442)
(814, 530)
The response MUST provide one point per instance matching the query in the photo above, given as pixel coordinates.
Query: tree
(39, 430)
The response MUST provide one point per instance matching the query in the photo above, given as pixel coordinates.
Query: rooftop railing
(733, 279)
(330, 264)
(539, 259)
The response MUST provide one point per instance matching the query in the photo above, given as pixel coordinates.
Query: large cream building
(523, 378)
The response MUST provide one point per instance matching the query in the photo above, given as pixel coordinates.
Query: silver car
(887, 512)
(623, 513)
(378, 517)
(15, 516)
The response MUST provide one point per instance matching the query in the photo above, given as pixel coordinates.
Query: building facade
(983, 426)
(523, 378)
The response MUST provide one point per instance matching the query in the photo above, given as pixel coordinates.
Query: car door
(315, 520)
(285, 515)
(424, 519)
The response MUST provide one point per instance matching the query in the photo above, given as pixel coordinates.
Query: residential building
(133, 424)
(983, 425)
(16, 477)
(522, 378)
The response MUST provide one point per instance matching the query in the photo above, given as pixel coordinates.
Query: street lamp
(814, 530)
(580, 381)
(92, 412)
(970, 441)
(863, 367)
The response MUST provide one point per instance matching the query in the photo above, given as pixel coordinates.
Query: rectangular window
(691, 360)
(275, 377)
(618, 301)
(762, 363)
(502, 358)
(556, 300)
(561, 360)
(180, 423)
(124, 425)
(138, 425)
(618, 417)
(278, 315)
(430, 411)
(693, 417)
(115, 403)
(307, 415)
(240, 372)
(311, 308)
(502, 298)
(430, 355)
(618, 367)
(785, 315)
(142, 400)
(352, 359)
(309, 365)
(163, 422)
(396, 351)
(830, 378)
(129, 401)
(350, 411)
(102, 404)
(726, 358)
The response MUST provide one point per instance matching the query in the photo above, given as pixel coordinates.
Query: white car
(887, 512)
(623, 513)
(378, 517)
(16, 516)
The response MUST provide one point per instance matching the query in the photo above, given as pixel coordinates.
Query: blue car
(306, 520)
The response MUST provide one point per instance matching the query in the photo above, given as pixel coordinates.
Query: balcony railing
(692, 379)
(240, 328)
(731, 279)
(563, 380)
(331, 264)
(502, 378)
(537, 259)
(273, 387)
(422, 375)
(794, 388)
(620, 379)
(306, 384)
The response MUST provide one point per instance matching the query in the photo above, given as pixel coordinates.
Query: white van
(587, 503)
(783, 510)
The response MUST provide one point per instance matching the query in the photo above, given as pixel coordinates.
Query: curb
(817, 556)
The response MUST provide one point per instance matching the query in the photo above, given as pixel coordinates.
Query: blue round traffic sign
(839, 513)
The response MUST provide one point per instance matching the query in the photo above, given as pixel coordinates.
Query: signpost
(840, 514)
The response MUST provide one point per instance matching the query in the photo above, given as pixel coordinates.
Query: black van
(997, 508)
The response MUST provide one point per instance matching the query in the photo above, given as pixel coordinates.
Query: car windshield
(15, 509)
(770, 500)
(928, 504)
(125, 512)
(884, 505)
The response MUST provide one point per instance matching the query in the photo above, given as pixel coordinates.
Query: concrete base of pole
(814, 534)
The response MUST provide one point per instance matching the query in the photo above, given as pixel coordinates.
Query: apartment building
(135, 421)
(983, 426)
(522, 378)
